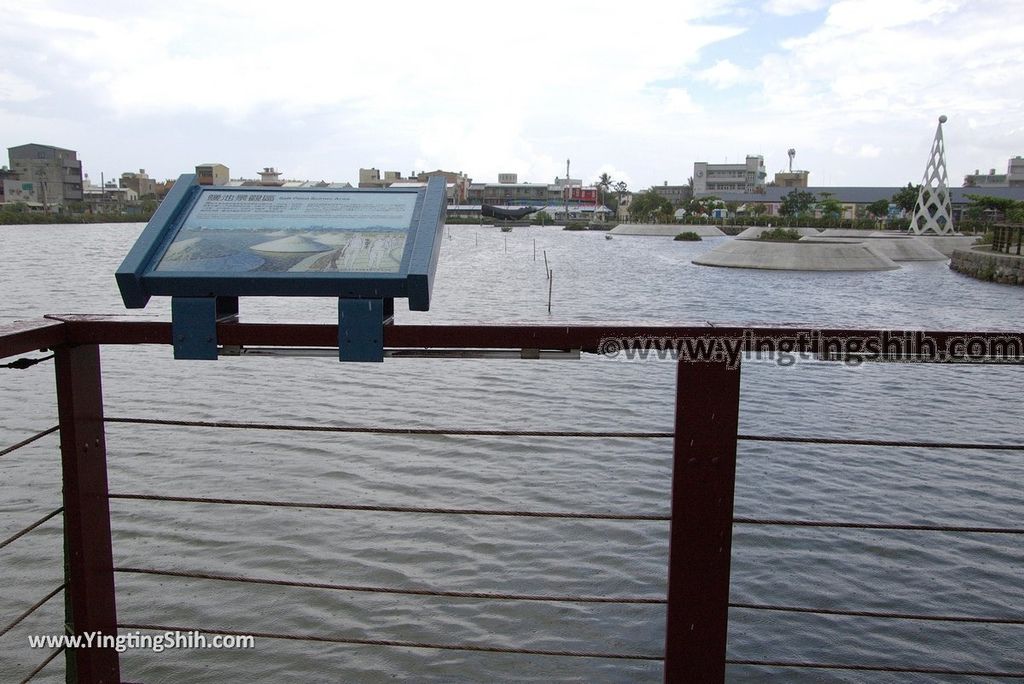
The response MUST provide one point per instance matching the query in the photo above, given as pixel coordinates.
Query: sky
(637, 90)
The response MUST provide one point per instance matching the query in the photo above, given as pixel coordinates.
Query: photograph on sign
(277, 232)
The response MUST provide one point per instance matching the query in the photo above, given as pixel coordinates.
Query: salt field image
(203, 250)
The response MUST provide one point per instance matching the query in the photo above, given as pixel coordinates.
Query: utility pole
(565, 193)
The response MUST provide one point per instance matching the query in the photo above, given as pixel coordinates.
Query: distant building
(19, 192)
(140, 182)
(676, 194)
(57, 172)
(562, 191)
(856, 199)
(458, 183)
(1013, 178)
(713, 179)
(212, 174)
(508, 178)
(270, 176)
(371, 178)
(792, 179)
(107, 199)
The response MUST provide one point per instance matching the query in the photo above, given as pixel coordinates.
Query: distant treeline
(16, 218)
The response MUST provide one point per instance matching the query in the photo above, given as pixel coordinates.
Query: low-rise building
(371, 178)
(714, 179)
(57, 172)
(1013, 178)
(561, 191)
(856, 199)
(108, 199)
(140, 182)
(676, 194)
(792, 179)
(212, 174)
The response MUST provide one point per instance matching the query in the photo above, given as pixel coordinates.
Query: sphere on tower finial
(942, 119)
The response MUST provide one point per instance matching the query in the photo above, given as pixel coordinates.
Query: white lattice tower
(933, 210)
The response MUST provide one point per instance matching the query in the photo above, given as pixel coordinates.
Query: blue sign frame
(205, 291)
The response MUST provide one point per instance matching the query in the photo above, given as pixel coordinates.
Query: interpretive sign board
(217, 243)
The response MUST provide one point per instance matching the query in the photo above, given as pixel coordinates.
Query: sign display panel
(206, 246)
(275, 232)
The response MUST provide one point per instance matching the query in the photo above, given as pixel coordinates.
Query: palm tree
(604, 182)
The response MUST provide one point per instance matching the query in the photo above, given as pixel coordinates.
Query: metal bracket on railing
(194, 325)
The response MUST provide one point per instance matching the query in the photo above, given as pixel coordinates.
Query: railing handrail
(56, 330)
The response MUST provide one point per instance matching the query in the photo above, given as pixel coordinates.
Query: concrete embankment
(983, 264)
(665, 229)
(802, 255)
(754, 232)
(895, 247)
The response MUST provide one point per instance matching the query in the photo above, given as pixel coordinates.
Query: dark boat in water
(505, 213)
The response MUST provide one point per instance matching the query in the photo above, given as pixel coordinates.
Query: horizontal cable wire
(39, 668)
(550, 514)
(395, 590)
(26, 442)
(878, 668)
(389, 431)
(881, 442)
(556, 598)
(36, 606)
(879, 526)
(397, 643)
(390, 509)
(31, 527)
(880, 614)
(456, 432)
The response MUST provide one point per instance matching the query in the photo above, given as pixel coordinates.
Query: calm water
(56, 269)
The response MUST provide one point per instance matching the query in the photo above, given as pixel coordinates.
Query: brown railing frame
(703, 479)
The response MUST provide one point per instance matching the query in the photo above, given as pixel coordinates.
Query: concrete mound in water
(665, 229)
(948, 243)
(896, 247)
(292, 245)
(801, 255)
(754, 232)
(853, 233)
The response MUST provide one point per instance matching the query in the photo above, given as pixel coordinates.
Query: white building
(1013, 178)
(712, 179)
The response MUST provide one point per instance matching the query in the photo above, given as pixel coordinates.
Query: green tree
(830, 207)
(796, 203)
(649, 205)
(996, 208)
(906, 198)
(758, 209)
(702, 205)
(879, 208)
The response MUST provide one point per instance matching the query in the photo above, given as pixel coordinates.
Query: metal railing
(1007, 238)
(701, 518)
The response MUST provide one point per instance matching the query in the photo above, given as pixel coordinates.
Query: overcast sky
(639, 90)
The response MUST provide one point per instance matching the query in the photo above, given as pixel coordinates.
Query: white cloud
(788, 8)
(332, 88)
(868, 151)
(724, 74)
(15, 89)
(678, 101)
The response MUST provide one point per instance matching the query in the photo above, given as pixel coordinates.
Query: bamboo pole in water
(551, 279)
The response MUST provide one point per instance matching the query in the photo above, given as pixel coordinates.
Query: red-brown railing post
(89, 565)
(700, 541)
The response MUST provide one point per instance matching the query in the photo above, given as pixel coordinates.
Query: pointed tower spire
(933, 210)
